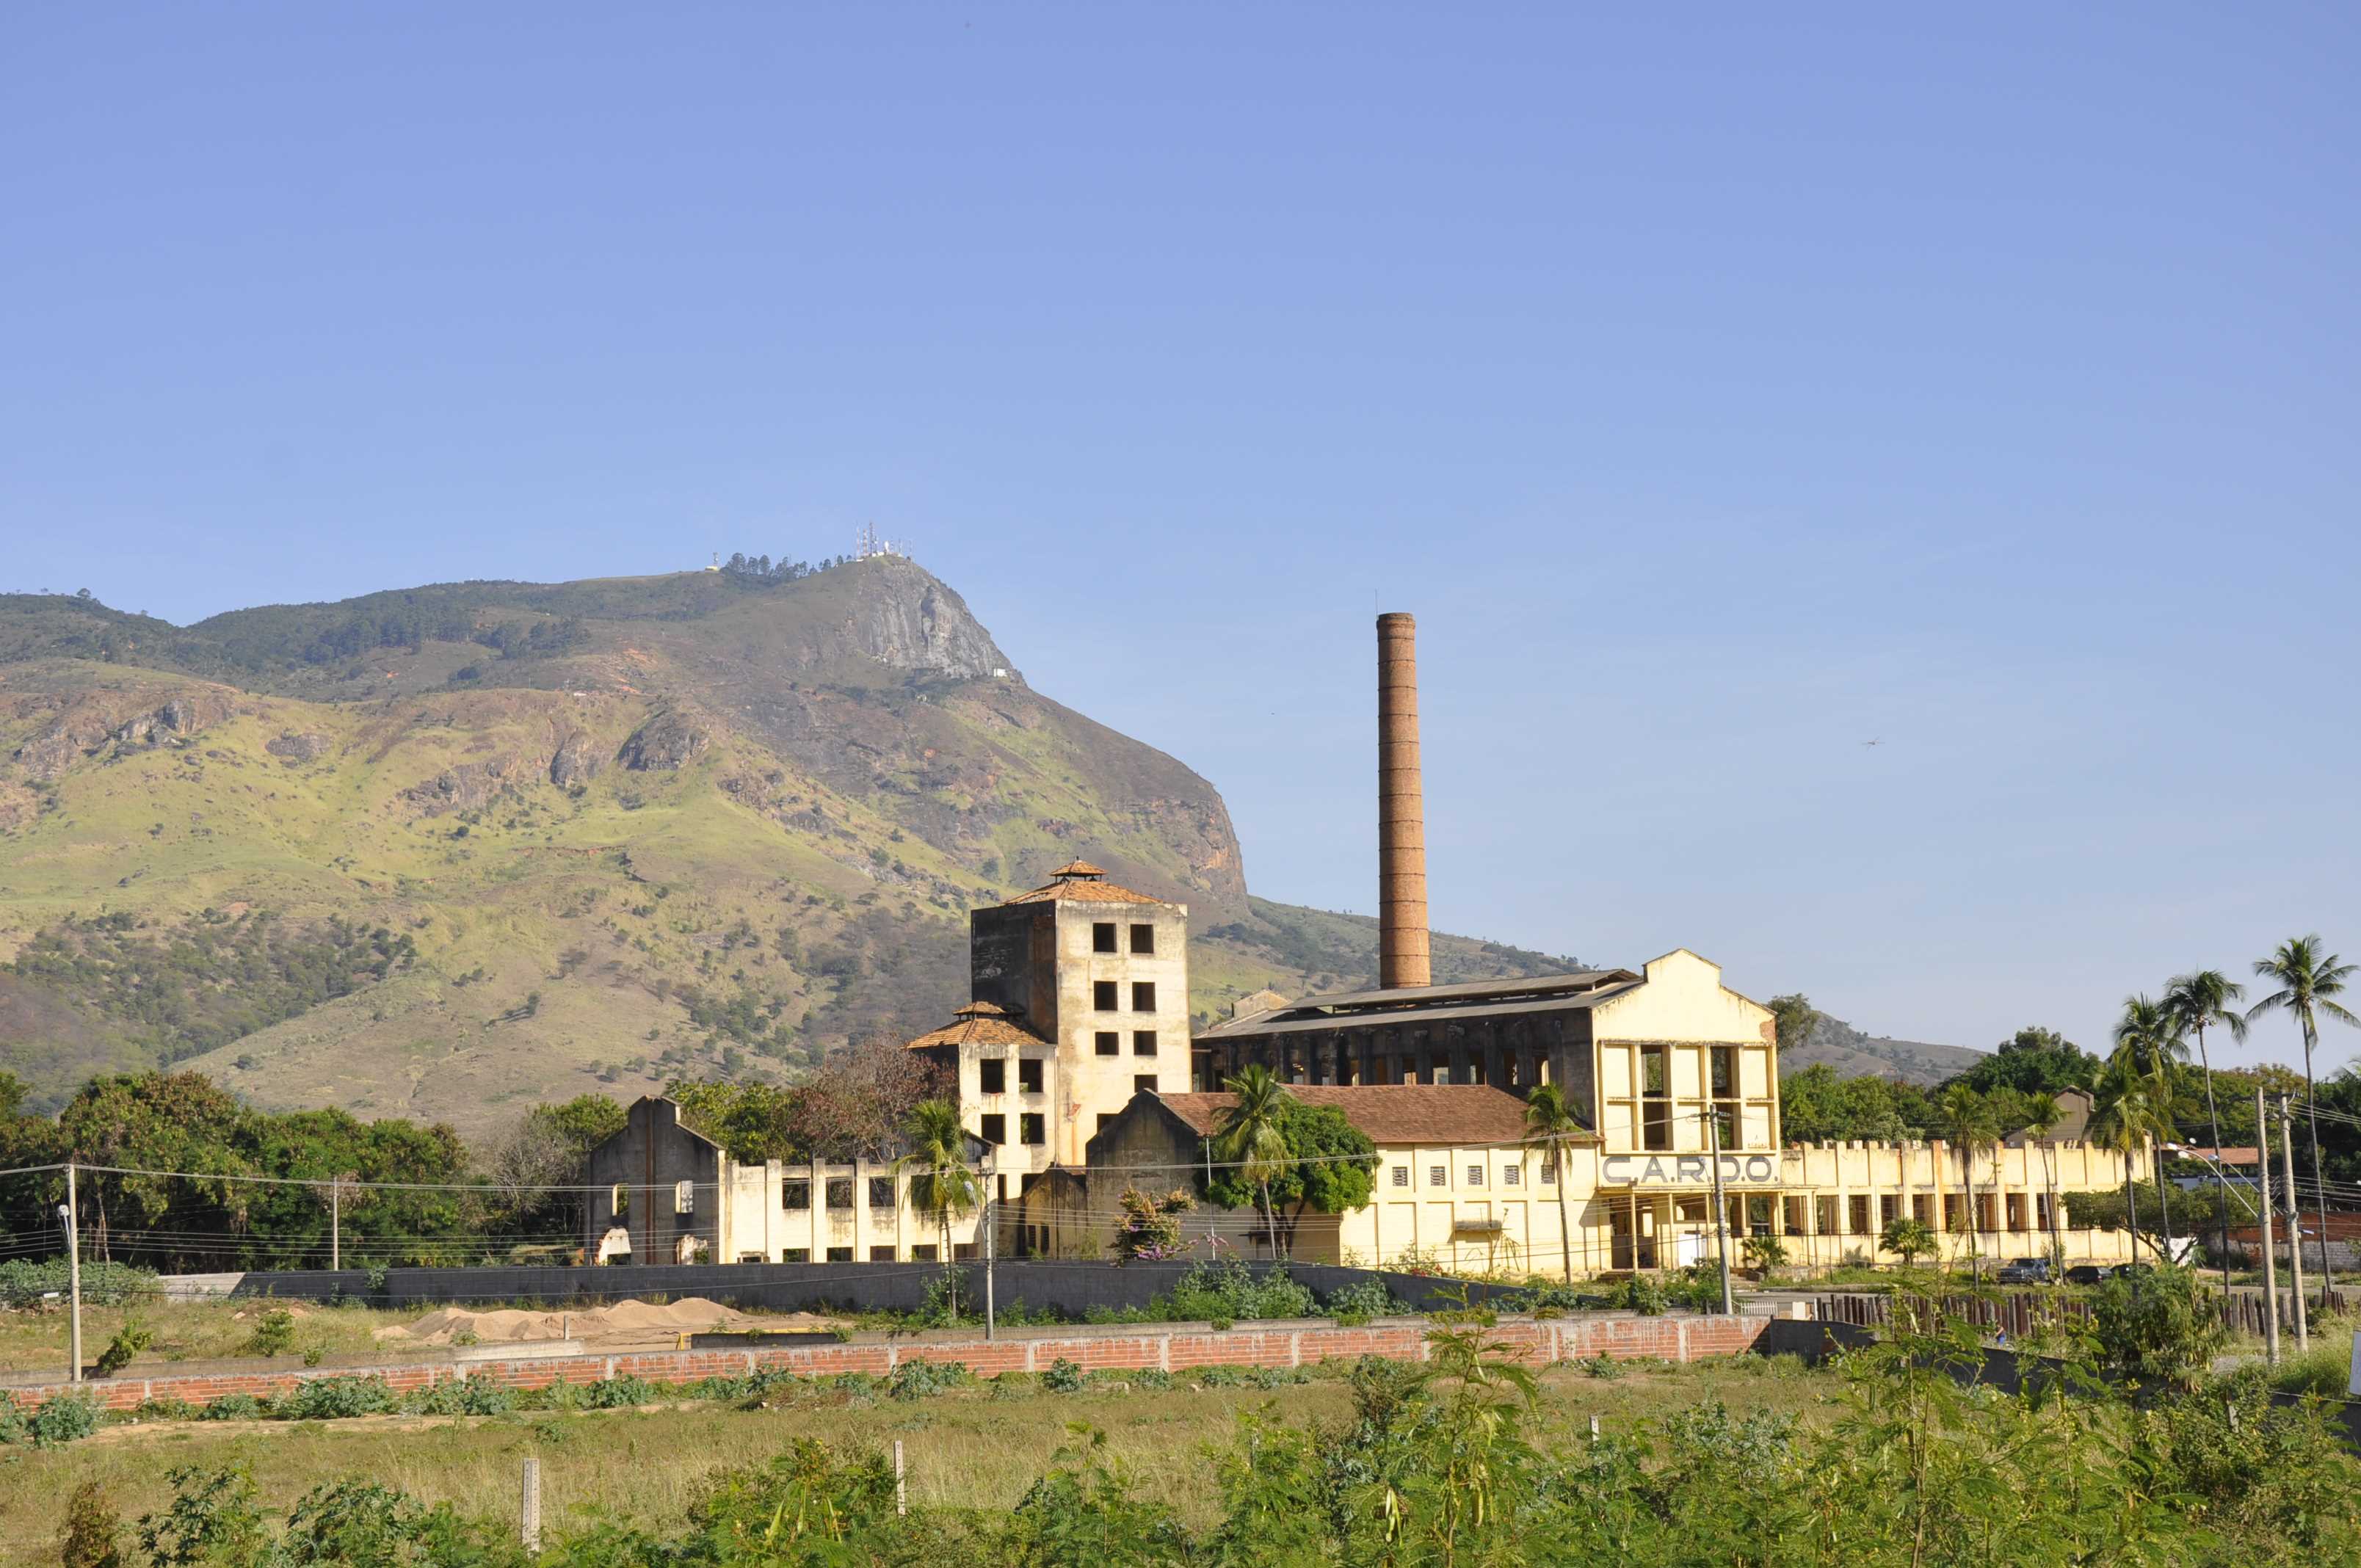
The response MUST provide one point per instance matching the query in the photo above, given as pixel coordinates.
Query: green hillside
(455, 850)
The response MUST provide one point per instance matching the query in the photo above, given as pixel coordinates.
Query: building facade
(664, 1192)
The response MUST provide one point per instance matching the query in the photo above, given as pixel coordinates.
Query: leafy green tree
(1552, 1126)
(1323, 1164)
(1795, 1018)
(2310, 980)
(1817, 1105)
(2158, 1329)
(1973, 1124)
(2033, 1061)
(1909, 1239)
(943, 1186)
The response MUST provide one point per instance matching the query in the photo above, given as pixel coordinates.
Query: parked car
(2025, 1271)
(2089, 1274)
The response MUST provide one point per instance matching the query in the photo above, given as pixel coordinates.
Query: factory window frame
(2016, 1210)
(1824, 1216)
(1795, 1207)
(1438, 1176)
(1859, 1204)
(1474, 1176)
(794, 1255)
(1689, 1211)
(1028, 1075)
(1029, 1129)
(619, 1201)
(880, 1254)
(2042, 1220)
(1143, 939)
(1725, 1118)
(1954, 1214)
(840, 1195)
(1986, 1212)
(1656, 1106)
(1402, 1175)
(1549, 1173)
(1142, 1083)
(751, 1257)
(684, 1197)
(1105, 997)
(1143, 1042)
(993, 1129)
(1921, 1207)
(1721, 1072)
(794, 1195)
(923, 1252)
(1109, 1042)
(1143, 996)
(1889, 1209)
(992, 1076)
(880, 1192)
(1103, 936)
(839, 1255)
(1512, 1176)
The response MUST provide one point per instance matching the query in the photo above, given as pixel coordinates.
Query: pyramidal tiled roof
(978, 1024)
(1079, 882)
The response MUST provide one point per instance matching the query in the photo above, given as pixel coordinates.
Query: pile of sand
(634, 1320)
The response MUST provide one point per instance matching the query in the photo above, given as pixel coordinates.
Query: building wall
(646, 1165)
(1092, 1086)
(1685, 1010)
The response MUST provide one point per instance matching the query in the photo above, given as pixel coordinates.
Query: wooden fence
(2019, 1314)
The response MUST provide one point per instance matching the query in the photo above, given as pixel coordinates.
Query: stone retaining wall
(1677, 1339)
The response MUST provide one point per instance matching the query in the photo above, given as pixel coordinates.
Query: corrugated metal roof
(1297, 1021)
(1390, 1114)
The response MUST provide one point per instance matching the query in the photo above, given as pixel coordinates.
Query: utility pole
(2295, 1228)
(73, 1277)
(335, 1227)
(2270, 1264)
(991, 1223)
(1720, 1212)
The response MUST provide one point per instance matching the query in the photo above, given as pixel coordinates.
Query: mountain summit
(452, 850)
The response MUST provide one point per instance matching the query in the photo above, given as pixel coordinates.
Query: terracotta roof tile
(1083, 893)
(1079, 867)
(980, 1023)
(1392, 1114)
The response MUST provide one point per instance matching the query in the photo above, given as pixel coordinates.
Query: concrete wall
(1092, 1086)
(645, 1164)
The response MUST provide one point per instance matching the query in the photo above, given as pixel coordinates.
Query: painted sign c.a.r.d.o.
(1688, 1170)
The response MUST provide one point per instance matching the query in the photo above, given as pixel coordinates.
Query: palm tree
(2038, 1115)
(942, 1185)
(2197, 1001)
(2309, 981)
(1552, 1126)
(2147, 1046)
(1248, 1136)
(2123, 1121)
(1969, 1118)
(1909, 1239)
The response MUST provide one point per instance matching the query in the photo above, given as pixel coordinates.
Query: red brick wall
(1571, 1339)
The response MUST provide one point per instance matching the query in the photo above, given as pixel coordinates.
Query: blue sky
(1722, 390)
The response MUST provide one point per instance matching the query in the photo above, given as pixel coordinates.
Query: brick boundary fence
(1677, 1339)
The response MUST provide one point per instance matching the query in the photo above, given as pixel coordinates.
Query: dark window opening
(992, 1076)
(880, 1192)
(1103, 994)
(1143, 1042)
(923, 1254)
(1656, 1110)
(1109, 1043)
(839, 1255)
(1028, 1128)
(1028, 1075)
(795, 1255)
(880, 1254)
(1106, 1119)
(794, 1195)
(996, 1129)
(1103, 936)
(840, 1192)
(1143, 996)
(1144, 1082)
(1143, 938)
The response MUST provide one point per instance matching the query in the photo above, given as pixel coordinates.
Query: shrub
(1063, 1378)
(1697, 1290)
(166, 1411)
(918, 1379)
(1640, 1293)
(212, 1518)
(1363, 1299)
(335, 1399)
(129, 1340)
(619, 1393)
(233, 1407)
(66, 1419)
(477, 1395)
(273, 1333)
(93, 1533)
(23, 1283)
(1151, 1378)
(1233, 1290)
(2156, 1325)
(1602, 1366)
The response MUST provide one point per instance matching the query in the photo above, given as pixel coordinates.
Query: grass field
(963, 1448)
(199, 1331)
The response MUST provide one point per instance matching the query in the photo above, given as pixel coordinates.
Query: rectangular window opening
(1143, 996)
(993, 1129)
(1144, 1081)
(1106, 996)
(1109, 1042)
(880, 1254)
(1438, 1176)
(880, 1192)
(1028, 1075)
(1143, 1042)
(1029, 1129)
(1143, 938)
(794, 1195)
(794, 1255)
(992, 1076)
(1103, 936)
(840, 1194)
(839, 1255)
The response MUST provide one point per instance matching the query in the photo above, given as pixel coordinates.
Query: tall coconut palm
(2038, 1115)
(2310, 980)
(2197, 1001)
(2147, 1046)
(1550, 1127)
(1248, 1136)
(2124, 1120)
(1970, 1120)
(943, 1186)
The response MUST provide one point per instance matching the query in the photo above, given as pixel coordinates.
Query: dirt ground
(619, 1323)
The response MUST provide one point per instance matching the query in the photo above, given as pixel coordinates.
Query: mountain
(450, 851)
(1852, 1052)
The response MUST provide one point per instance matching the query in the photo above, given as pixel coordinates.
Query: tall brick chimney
(1401, 810)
